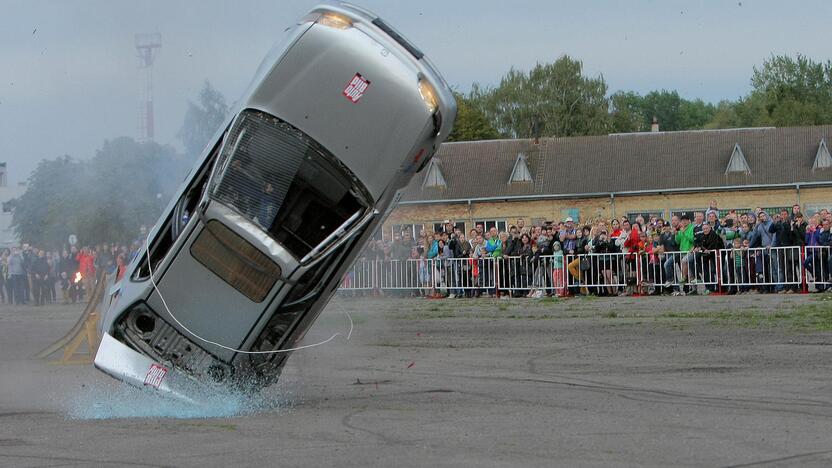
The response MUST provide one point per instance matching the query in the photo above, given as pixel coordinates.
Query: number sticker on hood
(356, 87)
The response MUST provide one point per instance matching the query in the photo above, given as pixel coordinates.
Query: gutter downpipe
(797, 187)
(612, 203)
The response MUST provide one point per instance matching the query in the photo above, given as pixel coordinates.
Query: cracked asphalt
(692, 381)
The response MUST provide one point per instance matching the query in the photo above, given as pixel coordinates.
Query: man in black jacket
(668, 241)
(708, 246)
(40, 273)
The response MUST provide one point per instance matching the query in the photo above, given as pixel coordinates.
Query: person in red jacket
(86, 266)
(634, 246)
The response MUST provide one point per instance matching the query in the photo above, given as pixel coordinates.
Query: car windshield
(283, 181)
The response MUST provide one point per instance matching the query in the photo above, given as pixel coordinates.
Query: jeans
(17, 288)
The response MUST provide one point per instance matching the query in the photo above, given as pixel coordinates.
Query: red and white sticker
(356, 87)
(155, 375)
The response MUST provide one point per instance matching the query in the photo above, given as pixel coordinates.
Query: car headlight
(428, 95)
(334, 20)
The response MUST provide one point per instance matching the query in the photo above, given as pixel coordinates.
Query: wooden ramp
(85, 331)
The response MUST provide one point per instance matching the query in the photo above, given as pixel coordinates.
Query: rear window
(279, 178)
(235, 260)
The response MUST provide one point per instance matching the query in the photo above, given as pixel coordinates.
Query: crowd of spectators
(682, 255)
(39, 276)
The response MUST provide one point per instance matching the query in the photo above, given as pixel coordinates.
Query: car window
(286, 183)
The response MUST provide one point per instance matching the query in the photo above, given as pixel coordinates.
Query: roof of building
(632, 162)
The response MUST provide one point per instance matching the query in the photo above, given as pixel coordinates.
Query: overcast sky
(68, 78)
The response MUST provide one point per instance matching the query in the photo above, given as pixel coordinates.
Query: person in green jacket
(684, 238)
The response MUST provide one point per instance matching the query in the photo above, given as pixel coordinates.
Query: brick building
(661, 173)
(8, 193)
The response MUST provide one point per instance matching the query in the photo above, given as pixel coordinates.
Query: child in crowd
(739, 253)
(557, 267)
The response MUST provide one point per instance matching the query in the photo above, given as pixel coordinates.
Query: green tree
(471, 124)
(202, 119)
(631, 112)
(794, 91)
(785, 91)
(554, 99)
(627, 112)
(695, 114)
(45, 214)
(104, 199)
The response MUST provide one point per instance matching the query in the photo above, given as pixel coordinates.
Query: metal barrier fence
(454, 274)
(600, 271)
(527, 275)
(816, 262)
(762, 269)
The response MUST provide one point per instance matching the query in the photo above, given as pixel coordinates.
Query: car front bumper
(125, 364)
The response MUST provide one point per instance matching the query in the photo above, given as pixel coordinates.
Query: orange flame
(78, 277)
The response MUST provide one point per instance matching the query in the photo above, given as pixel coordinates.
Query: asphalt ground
(690, 381)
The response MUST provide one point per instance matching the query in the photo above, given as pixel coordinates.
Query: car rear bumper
(125, 364)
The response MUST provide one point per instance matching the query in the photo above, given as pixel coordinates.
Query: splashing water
(109, 400)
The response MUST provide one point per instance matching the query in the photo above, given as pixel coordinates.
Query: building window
(724, 212)
(413, 229)
(440, 227)
(632, 215)
(681, 212)
(811, 210)
(490, 223)
(378, 234)
(573, 213)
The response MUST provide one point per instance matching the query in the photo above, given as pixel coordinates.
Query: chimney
(655, 126)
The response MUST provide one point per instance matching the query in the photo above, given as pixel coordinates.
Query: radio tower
(147, 46)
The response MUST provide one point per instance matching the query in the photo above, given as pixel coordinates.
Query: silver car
(337, 120)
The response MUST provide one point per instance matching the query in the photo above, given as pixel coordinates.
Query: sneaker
(677, 293)
(451, 296)
(789, 291)
(706, 292)
(506, 296)
(668, 284)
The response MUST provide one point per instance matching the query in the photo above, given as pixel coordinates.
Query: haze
(68, 79)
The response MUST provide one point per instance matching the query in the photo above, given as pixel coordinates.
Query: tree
(631, 112)
(627, 112)
(202, 119)
(785, 92)
(695, 114)
(553, 99)
(104, 199)
(795, 91)
(44, 214)
(471, 124)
